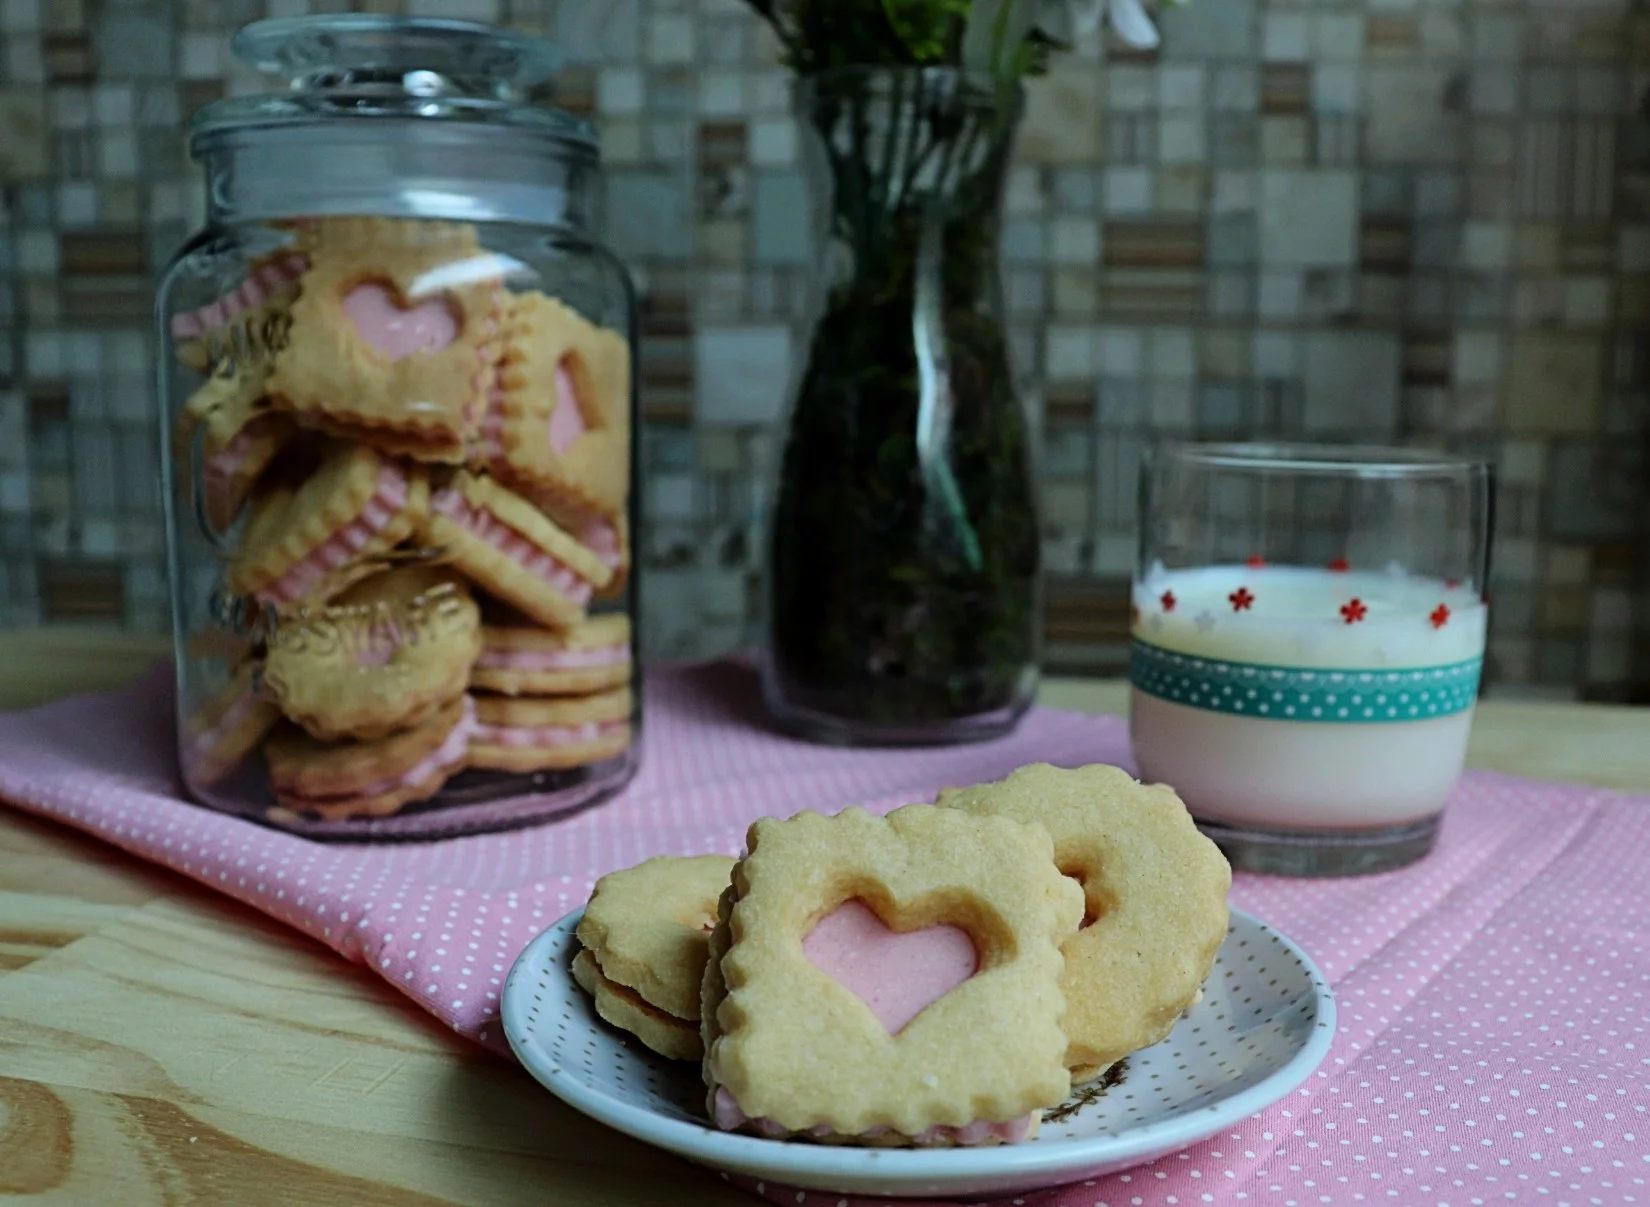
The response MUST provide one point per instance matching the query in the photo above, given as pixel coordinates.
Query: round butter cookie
(533, 734)
(671, 1037)
(524, 661)
(385, 655)
(1155, 896)
(648, 928)
(339, 780)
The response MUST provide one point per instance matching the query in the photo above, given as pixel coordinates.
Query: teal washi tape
(1285, 693)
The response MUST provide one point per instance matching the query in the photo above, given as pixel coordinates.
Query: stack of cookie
(936, 977)
(390, 440)
(643, 942)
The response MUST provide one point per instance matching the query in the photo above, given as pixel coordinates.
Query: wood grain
(169, 1045)
(160, 1044)
(37, 665)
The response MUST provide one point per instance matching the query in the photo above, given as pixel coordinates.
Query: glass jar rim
(369, 66)
(289, 45)
(1345, 460)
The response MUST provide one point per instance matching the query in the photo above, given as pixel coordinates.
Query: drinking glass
(1308, 632)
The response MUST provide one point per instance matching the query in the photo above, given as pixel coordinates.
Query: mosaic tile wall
(1411, 220)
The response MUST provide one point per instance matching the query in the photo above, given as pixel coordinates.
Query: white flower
(1068, 20)
(996, 28)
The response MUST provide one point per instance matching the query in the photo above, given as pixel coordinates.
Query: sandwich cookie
(608, 537)
(646, 936)
(340, 780)
(385, 655)
(508, 547)
(306, 545)
(591, 656)
(1155, 901)
(528, 734)
(889, 981)
(240, 437)
(557, 424)
(247, 322)
(227, 728)
(671, 1037)
(394, 336)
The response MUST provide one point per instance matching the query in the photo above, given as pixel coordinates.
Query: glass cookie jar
(398, 410)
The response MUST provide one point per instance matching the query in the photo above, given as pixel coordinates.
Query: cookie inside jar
(417, 490)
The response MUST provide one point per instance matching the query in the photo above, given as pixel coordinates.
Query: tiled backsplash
(1415, 220)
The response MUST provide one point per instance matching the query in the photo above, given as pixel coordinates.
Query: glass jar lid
(362, 65)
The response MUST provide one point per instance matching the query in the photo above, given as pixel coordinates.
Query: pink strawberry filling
(395, 330)
(223, 466)
(492, 427)
(263, 283)
(602, 539)
(453, 748)
(487, 527)
(554, 660)
(729, 1117)
(205, 743)
(388, 498)
(380, 644)
(897, 974)
(594, 532)
(546, 735)
(567, 420)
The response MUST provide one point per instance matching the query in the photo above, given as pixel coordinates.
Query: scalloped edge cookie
(1154, 886)
(339, 780)
(307, 545)
(648, 927)
(386, 655)
(529, 734)
(797, 1053)
(553, 357)
(518, 660)
(508, 547)
(424, 403)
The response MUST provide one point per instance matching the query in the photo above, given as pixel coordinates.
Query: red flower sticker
(1440, 616)
(1254, 561)
(1451, 583)
(1340, 565)
(1242, 599)
(1168, 601)
(1354, 610)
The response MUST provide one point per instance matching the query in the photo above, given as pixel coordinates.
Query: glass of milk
(1308, 631)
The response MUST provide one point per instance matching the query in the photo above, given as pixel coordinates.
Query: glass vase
(903, 592)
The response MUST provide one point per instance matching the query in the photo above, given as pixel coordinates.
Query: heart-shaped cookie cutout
(397, 330)
(896, 973)
(567, 421)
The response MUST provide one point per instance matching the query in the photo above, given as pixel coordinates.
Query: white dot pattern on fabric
(1493, 1043)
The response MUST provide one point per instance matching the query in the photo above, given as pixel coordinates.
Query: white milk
(1281, 770)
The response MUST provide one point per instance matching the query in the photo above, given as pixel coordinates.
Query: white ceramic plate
(1265, 1022)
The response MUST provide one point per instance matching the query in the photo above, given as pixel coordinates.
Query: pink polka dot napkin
(1493, 1042)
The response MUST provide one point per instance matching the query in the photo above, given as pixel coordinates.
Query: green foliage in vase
(903, 570)
(822, 35)
(905, 551)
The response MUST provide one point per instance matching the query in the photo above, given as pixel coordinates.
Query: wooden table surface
(162, 1044)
